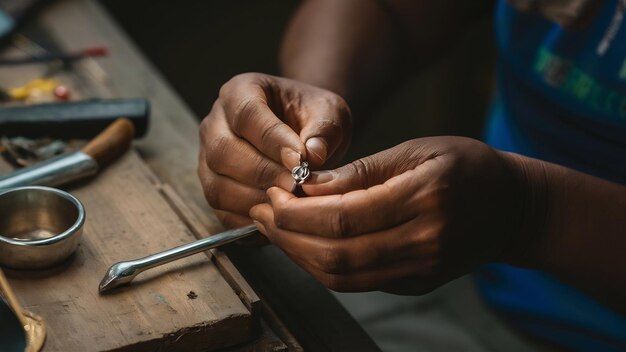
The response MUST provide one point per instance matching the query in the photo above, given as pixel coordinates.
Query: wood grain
(128, 218)
(230, 273)
(319, 322)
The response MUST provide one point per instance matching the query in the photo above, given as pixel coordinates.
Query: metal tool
(23, 152)
(124, 272)
(65, 168)
(80, 119)
(39, 226)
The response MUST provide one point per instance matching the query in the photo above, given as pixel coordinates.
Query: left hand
(406, 220)
(259, 128)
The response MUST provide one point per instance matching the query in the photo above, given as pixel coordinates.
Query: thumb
(371, 170)
(359, 174)
(326, 134)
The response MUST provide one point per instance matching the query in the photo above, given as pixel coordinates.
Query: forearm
(362, 49)
(581, 224)
(349, 47)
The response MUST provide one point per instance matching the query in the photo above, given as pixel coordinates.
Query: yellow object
(35, 332)
(34, 326)
(33, 88)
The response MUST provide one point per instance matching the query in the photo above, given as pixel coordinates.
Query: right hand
(260, 127)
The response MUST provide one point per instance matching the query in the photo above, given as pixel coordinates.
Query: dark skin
(247, 148)
(408, 219)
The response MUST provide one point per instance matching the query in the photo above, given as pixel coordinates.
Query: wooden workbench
(297, 309)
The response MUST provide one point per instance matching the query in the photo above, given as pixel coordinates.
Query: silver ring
(301, 173)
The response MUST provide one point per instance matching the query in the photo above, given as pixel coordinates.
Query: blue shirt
(561, 98)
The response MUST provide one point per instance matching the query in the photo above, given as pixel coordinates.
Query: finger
(354, 254)
(228, 155)
(326, 130)
(379, 207)
(369, 171)
(231, 220)
(250, 117)
(338, 216)
(202, 166)
(227, 194)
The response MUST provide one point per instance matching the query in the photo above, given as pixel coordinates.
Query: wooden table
(298, 311)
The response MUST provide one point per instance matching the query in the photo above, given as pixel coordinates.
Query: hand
(259, 128)
(405, 220)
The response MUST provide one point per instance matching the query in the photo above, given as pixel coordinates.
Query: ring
(301, 173)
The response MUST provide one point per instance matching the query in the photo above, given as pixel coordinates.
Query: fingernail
(271, 192)
(322, 176)
(290, 157)
(254, 212)
(318, 147)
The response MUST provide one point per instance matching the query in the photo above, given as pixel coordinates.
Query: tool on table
(122, 273)
(81, 119)
(33, 89)
(31, 325)
(31, 48)
(23, 152)
(40, 227)
(53, 56)
(65, 168)
(38, 89)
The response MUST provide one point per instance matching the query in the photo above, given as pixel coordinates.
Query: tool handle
(122, 273)
(112, 142)
(202, 245)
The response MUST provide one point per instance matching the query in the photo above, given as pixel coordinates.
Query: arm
(261, 126)
(582, 229)
(360, 49)
(411, 218)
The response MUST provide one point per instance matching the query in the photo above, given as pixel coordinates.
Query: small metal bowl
(39, 226)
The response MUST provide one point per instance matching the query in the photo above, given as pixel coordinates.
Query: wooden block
(128, 218)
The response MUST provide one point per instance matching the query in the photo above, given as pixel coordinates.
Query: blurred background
(198, 45)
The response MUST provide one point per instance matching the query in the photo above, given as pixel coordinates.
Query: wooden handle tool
(112, 142)
(108, 145)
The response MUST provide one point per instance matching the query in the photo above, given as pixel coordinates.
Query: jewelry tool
(124, 272)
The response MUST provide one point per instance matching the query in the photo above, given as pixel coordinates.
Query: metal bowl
(39, 226)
